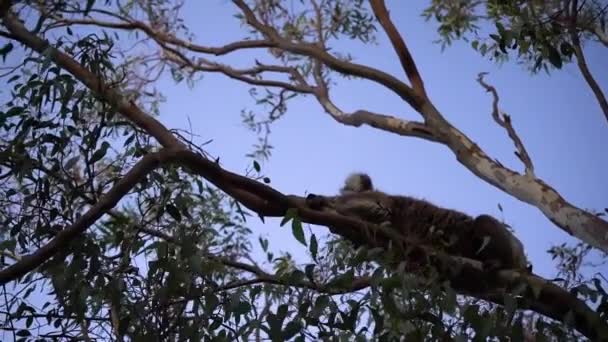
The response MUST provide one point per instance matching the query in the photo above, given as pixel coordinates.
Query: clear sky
(556, 116)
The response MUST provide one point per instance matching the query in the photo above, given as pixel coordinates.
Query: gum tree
(134, 232)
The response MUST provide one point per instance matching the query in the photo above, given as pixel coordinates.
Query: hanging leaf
(297, 230)
(554, 57)
(100, 153)
(174, 212)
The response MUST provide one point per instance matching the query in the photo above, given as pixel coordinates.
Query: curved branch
(504, 121)
(385, 122)
(466, 276)
(170, 39)
(249, 75)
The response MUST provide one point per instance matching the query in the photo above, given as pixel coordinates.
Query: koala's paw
(315, 202)
(492, 265)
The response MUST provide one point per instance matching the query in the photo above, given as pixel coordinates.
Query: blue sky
(556, 116)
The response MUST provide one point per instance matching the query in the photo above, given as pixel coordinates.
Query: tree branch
(61, 241)
(504, 121)
(131, 25)
(385, 122)
(568, 217)
(582, 62)
(269, 202)
(242, 74)
(553, 302)
(405, 57)
(262, 276)
(312, 50)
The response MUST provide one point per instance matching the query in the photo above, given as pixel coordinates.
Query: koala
(482, 238)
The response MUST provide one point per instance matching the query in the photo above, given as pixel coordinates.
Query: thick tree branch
(405, 57)
(504, 121)
(573, 220)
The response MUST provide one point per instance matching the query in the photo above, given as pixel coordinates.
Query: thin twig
(504, 121)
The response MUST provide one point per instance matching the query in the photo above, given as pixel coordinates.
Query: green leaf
(297, 230)
(242, 308)
(89, 6)
(100, 153)
(500, 27)
(282, 312)
(263, 244)
(314, 246)
(23, 333)
(378, 320)
(14, 111)
(256, 166)
(290, 214)
(554, 57)
(566, 49)
(309, 270)
(320, 304)
(4, 51)
(291, 329)
(343, 280)
(13, 79)
(70, 163)
(174, 212)
(8, 244)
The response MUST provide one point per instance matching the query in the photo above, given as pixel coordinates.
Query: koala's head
(357, 182)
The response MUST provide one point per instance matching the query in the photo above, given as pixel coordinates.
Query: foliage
(174, 260)
(538, 33)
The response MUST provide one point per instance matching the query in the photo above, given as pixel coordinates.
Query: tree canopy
(116, 226)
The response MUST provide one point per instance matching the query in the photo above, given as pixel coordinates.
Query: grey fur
(482, 238)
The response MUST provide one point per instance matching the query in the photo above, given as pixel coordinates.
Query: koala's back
(421, 217)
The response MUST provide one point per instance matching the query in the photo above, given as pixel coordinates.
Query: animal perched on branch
(482, 238)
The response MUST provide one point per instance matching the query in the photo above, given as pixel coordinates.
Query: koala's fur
(482, 238)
